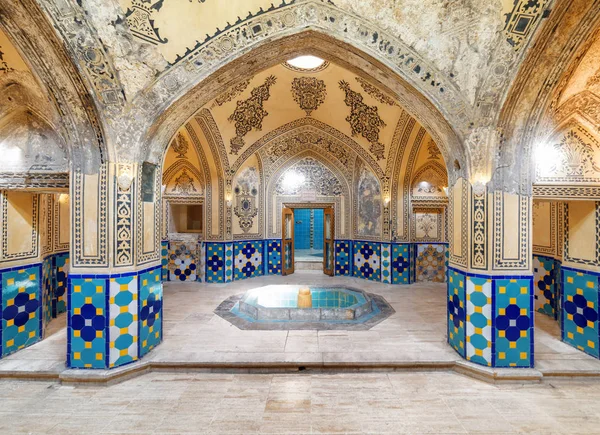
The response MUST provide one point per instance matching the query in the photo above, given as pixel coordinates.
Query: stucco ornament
(482, 143)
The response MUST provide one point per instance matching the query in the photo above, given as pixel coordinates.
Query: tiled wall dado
(32, 295)
(490, 318)
(113, 320)
(579, 322)
(391, 263)
(546, 285)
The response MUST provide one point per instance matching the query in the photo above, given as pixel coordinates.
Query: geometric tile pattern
(456, 311)
(87, 340)
(431, 263)
(59, 303)
(123, 324)
(47, 293)
(401, 264)
(215, 262)
(545, 288)
(248, 259)
(367, 260)
(150, 310)
(22, 315)
(228, 262)
(479, 320)
(274, 257)
(343, 256)
(183, 263)
(164, 259)
(580, 310)
(513, 322)
(386, 263)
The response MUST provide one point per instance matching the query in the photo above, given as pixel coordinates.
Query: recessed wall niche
(186, 218)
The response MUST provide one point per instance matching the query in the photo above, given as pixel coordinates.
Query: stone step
(308, 265)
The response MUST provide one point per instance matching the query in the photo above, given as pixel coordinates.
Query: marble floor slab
(350, 403)
(415, 333)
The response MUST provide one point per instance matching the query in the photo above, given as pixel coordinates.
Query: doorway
(308, 240)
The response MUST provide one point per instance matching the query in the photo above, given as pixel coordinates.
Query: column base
(113, 319)
(490, 318)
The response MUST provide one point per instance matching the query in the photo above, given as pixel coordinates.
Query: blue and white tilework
(274, 257)
(150, 311)
(479, 320)
(183, 261)
(215, 262)
(580, 310)
(229, 261)
(59, 303)
(164, 259)
(343, 257)
(513, 322)
(86, 332)
(401, 264)
(123, 326)
(367, 260)
(545, 288)
(47, 289)
(248, 259)
(22, 315)
(386, 263)
(456, 311)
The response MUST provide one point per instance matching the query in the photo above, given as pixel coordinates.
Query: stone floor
(309, 255)
(416, 333)
(374, 403)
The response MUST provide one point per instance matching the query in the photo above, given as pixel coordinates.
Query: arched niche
(323, 184)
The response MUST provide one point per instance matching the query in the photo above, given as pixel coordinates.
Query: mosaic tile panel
(22, 312)
(580, 310)
(164, 260)
(367, 263)
(150, 311)
(123, 324)
(513, 323)
(215, 262)
(545, 288)
(386, 263)
(479, 320)
(229, 262)
(274, 257)
(343, 257)
(87, 340)
(431, 263)
(401, 267)
(248, 260)
(456, 311)
(59, 304)
(47, 289)
(183, 261)
(202, 255)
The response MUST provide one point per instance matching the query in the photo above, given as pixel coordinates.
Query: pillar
(114, 286)
(490, 284)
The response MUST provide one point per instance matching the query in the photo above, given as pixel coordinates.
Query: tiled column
(490, 284)
(115, 282)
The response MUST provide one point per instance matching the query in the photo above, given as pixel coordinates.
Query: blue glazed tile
(367, 260)
(343, 257)
(456, 312)
(545, 287)
(215, 262)
(87, 331)
(248, 260)
(401, 264)
(580, 311)
(513, 323)
(274, 257)
(150, 311)
(22, 311)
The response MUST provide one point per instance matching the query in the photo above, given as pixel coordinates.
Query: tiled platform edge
(222, 262)
(113, 320)
(579, 320)
(490, 318)
(32, 295)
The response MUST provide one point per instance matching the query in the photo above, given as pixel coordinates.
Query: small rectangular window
(148, 174)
